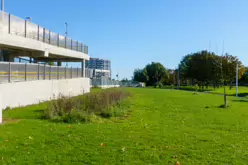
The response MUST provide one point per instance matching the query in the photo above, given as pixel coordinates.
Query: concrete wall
(32, 92)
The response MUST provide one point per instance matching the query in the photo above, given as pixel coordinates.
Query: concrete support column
(59, 63)
(1, 55)
(83, 68)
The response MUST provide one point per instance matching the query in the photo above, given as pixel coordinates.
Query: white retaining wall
(32, 92)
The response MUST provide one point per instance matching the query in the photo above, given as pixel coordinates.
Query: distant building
(98, 67)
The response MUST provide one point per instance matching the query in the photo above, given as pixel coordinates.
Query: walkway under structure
(24, 84)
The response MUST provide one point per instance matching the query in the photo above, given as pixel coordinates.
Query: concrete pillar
(59, 63)
(1, 55)
(83, 68)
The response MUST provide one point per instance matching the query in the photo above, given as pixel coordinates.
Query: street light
(66, 29)
(2, 6)
(29, 19)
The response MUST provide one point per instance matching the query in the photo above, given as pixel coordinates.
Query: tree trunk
(225, 101)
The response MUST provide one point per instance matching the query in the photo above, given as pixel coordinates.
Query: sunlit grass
(165, 126)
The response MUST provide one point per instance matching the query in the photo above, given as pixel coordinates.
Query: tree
(229, 69)
(124, 80)
(152, 74)
(140, 75)
(156, 73)
(50, 63)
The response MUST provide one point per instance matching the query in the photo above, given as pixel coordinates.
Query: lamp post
(66, 29)
(29, 19)
(237, 80)
(2, 6)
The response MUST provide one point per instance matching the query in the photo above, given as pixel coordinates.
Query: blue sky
(132, 33)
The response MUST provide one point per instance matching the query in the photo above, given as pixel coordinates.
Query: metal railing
(17, 72)
(103, 81)
(17, 26)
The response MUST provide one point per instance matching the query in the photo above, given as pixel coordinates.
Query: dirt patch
(9, 121)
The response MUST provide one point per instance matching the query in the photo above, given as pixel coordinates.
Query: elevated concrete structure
(23, 38)
(20, 38)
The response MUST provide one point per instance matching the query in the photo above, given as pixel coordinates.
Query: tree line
(203, 68)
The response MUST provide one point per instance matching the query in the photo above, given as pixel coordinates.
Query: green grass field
(165, 126)
(242, 90)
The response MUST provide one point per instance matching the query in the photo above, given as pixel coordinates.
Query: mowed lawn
(164, 127)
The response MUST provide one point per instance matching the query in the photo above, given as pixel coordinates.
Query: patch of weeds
(106, 104)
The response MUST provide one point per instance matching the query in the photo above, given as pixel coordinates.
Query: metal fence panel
(74, 72)
(74, 45)
(5, 19)
(68, 73)
(41, 72)
(47, 36)
(61, 41)
(61, 72)
(32, 72)
(53, 39)
(41, 33)
(52, 73)
(4, 71)
(47, 72)
(32, 30)
(68, 43)
(28, 72)
(17, 72)
(17, 26)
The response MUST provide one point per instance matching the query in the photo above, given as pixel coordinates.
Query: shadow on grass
(29, 112)
(240, 94)
(242, 101)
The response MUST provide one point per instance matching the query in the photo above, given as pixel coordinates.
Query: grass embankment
(165, 126)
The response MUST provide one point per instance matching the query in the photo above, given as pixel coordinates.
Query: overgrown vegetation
(105, 103)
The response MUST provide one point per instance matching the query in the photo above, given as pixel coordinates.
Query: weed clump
(106, 103)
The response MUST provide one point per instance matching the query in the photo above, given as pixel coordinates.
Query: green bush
(105, 103)
(160, 85)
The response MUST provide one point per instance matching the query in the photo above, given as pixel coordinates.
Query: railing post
(9, 74)
(71, 72)
(25, 30)
(38, 35)
(38, 71)
(58, 41)
(65, 41)
(44, 35)
(50, 72)
(65, 72)
(44, 73)
(25, 71)
(71, 44)
(77, 72)
(9, 22)
(58, 72)
(77, 45)
(49, 40)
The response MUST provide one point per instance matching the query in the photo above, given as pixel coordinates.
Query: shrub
(160, 85)
(105, 103)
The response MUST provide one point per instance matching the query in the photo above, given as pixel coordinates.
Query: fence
(16, 72)
(104, 82)
(17, 26)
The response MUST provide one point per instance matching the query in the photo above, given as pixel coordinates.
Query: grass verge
(165, 127)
